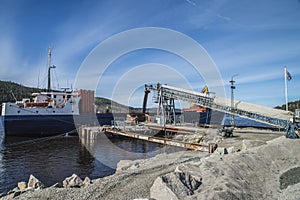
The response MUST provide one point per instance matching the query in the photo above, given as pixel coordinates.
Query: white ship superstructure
(44, 103)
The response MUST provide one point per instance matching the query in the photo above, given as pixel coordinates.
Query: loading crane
(166, 95)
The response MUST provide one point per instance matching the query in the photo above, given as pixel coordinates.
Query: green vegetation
(7, 89)
(292, 106)
(20, 92)
(103, 104)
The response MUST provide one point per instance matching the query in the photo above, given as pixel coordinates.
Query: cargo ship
(51, 112)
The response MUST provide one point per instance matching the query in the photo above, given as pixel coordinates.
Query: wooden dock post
(89, 132)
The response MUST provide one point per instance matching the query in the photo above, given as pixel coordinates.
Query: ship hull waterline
(49, 125)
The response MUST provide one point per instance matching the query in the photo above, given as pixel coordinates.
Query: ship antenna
(49, 68)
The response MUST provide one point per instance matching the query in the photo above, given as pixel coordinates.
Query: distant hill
(292, 106)
(21, 91)
(102, 103)
(7, 89)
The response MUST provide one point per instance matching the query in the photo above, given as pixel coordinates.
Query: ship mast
(49, 68)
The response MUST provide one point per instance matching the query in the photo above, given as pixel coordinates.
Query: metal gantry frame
(168, 94)
(166, 107)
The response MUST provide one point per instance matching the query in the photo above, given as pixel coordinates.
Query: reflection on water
(112, 149)
(52, 160)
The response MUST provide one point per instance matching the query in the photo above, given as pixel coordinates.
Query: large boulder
(175, 185)
(34, 183)
(22, 185)
(160, 190)
(220, 151)
(86, 182)
(73, 181)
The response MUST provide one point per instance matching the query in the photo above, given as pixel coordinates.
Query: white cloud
(191, 2)
(258, 77)
(255, 46)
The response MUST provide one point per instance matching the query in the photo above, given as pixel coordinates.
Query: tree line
(10, 89)
(292, 106)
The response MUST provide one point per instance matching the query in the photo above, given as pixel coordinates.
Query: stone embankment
(256, 170)
(33, 185)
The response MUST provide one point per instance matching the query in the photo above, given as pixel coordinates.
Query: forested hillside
(292, 106)
(102, 104)
(7, 89)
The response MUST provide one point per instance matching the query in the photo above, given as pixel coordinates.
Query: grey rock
(13, 191)
(220, 151)
(175, 185)
(22, 185)
(28, 190)
(86, 182)
(73, 181)
(160, 190)
(33, 182)
(17, 193)
(123, 165)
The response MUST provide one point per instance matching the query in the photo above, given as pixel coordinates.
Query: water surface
(53, 159)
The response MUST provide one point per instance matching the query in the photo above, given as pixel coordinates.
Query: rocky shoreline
(256, 170)
(34, 184)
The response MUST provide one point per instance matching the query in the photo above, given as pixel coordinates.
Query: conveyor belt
(255, 112)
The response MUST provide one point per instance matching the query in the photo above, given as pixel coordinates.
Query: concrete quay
(91, 132)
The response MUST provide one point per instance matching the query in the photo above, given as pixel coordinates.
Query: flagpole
(286, 89)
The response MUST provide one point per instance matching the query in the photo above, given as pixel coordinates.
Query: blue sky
(254, 39)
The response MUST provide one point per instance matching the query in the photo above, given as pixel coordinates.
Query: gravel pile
(267, 171)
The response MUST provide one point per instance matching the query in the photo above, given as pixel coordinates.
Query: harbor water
(53, 159)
